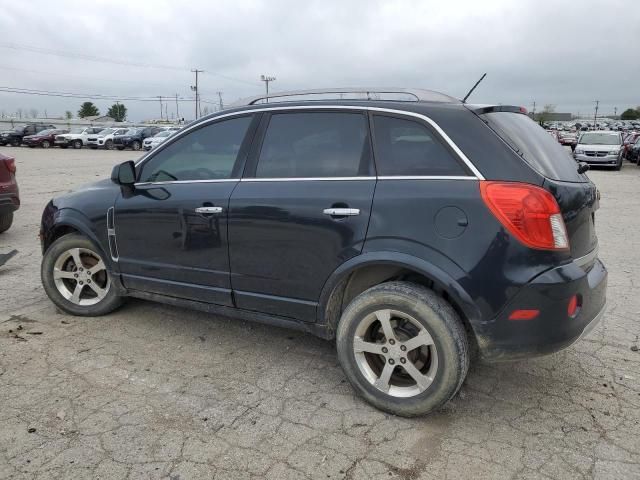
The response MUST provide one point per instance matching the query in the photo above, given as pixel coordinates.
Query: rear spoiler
(480, 109)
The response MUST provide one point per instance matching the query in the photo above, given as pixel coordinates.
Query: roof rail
(358, 93)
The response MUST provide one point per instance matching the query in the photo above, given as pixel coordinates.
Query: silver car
(600, 148)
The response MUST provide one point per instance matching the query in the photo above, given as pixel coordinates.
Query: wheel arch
(368, 270)
(71, 221)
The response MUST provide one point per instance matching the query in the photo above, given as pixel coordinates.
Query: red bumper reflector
(524, 314)
(572, 308)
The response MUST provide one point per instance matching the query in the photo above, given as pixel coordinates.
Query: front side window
(315, 145)
(408, 148)
(208, 153)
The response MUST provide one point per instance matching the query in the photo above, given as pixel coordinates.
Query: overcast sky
(554, 52)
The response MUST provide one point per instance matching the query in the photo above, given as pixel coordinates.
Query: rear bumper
(9, 201)
(553, 329)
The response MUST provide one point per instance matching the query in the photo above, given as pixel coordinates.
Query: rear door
(574, 192)
(301, 210)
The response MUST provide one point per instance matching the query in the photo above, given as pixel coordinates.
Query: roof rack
(358, 93)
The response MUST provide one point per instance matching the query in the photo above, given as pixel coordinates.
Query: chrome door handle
(341, 212)
(209, 210)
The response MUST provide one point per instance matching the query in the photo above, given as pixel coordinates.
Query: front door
(301, 210)
(171, 231)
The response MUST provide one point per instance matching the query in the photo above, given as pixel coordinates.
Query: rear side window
(541, 151)
(409, 148)
(315, 144)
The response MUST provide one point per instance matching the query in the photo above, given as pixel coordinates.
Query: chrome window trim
(426, 177)
(433, 124)
(304, 179)
(171, 182)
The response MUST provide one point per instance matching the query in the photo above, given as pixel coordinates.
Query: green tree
(88, 109)
(118, 112)
(630, 114)
(68, 115)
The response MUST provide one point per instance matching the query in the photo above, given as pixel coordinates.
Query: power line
(93, 58)
(92, 96)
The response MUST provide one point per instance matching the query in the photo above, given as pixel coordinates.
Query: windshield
(77, 130)
(534, 145)
(163, 134)
(107, 131)
(597, 138)
(132, 131)
(46, 132)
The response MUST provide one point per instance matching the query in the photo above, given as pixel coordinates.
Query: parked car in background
(134, 137)
(44, 139)
(14, 137)
(152, 142)
(77, 137)
(410, 264)
(9, 194)
(628, 142)
(568, 139)
(602, 148)
(633, 152)
(104, 139)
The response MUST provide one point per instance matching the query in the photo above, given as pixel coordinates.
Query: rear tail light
(524, 314)
(528, 212)
(11, 164)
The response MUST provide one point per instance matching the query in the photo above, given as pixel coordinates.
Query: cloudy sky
(565, 53)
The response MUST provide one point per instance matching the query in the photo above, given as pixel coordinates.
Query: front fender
(442, 279)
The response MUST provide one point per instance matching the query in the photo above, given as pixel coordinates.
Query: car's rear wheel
(77, 144)
(135, 145)
(5, 221)
(45, 144)
(76, 278)
(403, 348)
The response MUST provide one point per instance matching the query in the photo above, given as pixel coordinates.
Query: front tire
(77, 144)
(5, 221)
(45, 144)
(76, 278)
(135, 145)
(403, 348)
(108, 145)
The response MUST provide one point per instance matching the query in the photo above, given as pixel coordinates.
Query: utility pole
(177, 108)
(266, 79)
(194, 88)
(220, 98)
(615, 112)
(595, 115)
(160, 98)
(534, 110)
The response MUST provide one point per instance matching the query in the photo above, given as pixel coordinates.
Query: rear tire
(45, 144)
(76, 277)
(5, 221)
(135, 145)
(420, 369)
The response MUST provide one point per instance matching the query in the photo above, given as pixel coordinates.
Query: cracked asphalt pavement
(153, 391)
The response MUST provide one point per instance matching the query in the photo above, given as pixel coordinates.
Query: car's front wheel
(108, 144)
(77, 144)
(135, 145)
(45, 144)
(76, 278)
(403, 348)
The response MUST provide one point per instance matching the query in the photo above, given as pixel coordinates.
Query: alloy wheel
(395, 353)
(81, 277)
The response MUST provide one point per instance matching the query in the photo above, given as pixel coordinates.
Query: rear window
(535, 146)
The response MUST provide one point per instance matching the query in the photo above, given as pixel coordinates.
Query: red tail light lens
(524, 314)
(528, 212)
(11, 164)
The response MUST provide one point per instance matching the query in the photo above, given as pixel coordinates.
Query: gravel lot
(153, 391)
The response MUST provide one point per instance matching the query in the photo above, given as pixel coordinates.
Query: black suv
(134, 137)
(14, 137)
(415, 232)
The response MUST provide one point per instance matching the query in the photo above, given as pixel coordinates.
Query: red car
(568, 138)
(43, 139)
(9, 195)
(628, 142)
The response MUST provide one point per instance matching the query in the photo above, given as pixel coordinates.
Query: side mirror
(124, 174)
